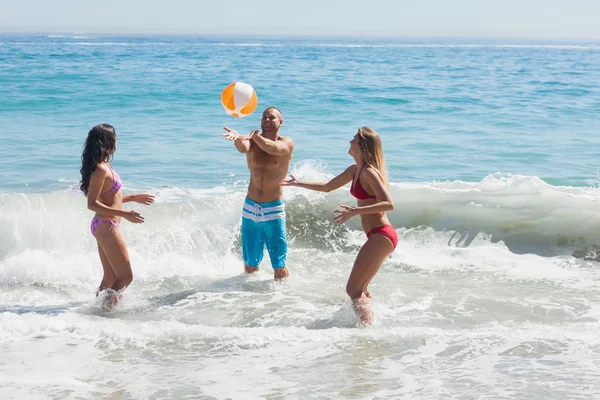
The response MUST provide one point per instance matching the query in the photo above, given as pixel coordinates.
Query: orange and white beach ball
(239, 99)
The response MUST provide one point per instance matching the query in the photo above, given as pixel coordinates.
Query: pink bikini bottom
(96, 223)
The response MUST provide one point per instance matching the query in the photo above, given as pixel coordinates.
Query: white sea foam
(478, 294)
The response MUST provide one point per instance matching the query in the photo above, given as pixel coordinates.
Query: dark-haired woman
(102, 186)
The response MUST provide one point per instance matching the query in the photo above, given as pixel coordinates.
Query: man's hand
(230, 134)
(241, 142)
(251, 135)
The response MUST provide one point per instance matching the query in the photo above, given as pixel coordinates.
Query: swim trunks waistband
(261, 212)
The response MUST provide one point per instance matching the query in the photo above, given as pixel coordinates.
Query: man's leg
(280, 273)
(276, 241)
(249, 269)
(252, 245)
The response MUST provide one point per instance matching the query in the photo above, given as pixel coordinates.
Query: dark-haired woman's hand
(144, 198)
(133, 217)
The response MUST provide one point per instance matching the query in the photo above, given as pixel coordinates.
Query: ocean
(492, 149)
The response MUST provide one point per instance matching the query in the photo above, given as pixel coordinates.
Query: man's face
(271, 120)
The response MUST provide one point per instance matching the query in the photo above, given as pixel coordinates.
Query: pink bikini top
(357, 190)
(117, 183)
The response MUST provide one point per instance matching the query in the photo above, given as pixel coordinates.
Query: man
(263, 217)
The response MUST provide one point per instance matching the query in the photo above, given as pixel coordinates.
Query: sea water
(492, 152)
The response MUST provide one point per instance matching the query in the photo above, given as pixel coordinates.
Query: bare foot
(250, 270)
(280, 273)
(362, 309)
(111, 299)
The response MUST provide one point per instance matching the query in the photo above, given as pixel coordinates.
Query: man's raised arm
(277, 148)
(243, 146)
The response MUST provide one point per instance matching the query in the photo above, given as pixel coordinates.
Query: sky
(421, 18)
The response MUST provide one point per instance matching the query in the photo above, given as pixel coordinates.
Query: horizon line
(300, 35)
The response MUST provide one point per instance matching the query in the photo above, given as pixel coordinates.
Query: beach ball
(239, 99)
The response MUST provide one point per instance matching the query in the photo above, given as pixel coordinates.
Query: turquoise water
(492, 149)
(447, 110)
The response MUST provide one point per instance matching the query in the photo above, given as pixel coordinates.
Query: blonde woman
(371, 188)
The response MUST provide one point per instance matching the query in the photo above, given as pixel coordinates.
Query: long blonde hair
(370, 144)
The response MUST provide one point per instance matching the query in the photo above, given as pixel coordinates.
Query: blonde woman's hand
(345, 213)
(292, 181)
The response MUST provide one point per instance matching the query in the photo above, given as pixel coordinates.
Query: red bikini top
(357, 190)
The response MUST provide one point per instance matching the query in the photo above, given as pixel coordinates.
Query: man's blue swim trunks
(264, 224)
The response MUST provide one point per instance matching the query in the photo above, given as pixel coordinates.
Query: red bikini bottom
(387, 231)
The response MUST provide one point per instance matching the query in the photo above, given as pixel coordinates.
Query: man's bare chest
(257, 158)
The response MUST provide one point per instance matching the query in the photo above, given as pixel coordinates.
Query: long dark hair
(99, 146)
